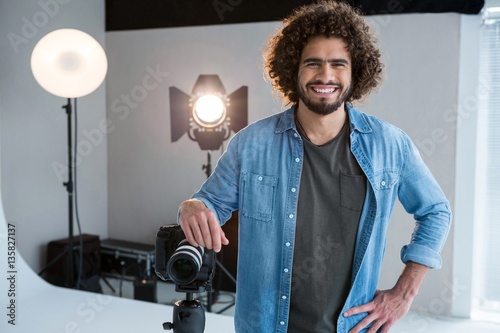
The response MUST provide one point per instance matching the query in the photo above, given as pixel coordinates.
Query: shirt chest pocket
(258, 194)
(385, 180)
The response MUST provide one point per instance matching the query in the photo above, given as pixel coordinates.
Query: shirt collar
(358, 120)
(286, 121)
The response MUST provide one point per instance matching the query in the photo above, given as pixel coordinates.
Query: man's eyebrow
(334, 60)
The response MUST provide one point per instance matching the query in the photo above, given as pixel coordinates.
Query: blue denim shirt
(259, 175)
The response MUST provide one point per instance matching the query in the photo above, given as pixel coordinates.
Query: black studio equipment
(191, 269)
(130, 261)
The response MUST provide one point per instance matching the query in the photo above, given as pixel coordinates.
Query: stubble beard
(323, 108)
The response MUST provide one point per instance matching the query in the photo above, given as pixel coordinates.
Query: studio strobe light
(208, 115)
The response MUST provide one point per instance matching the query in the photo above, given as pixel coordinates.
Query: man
(315, 187)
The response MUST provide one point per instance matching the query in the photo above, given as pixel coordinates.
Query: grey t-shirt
(332, 193)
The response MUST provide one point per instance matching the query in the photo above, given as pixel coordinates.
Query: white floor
(412, 323)
(417, 323)
(37, 306)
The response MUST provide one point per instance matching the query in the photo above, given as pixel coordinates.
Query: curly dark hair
(328, 19)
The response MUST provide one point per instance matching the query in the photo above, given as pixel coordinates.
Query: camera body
(191, 268)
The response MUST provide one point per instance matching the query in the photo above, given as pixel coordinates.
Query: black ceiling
(148, 14)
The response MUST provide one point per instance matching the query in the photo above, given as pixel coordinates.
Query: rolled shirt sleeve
(422, 197)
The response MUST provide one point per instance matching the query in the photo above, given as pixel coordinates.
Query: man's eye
(313, 64)
(338, 64)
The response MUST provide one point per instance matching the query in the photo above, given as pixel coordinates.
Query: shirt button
(260, 178)
(382, 183)
(282, 323)
(285, 270)
(290, 216)
(297, 160)
(295, 135)
(294, 189)
(287, 243)
(283, 297)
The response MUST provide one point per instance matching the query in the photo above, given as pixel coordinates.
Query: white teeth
(325, 91)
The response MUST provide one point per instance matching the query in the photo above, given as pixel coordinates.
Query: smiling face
(324, 76)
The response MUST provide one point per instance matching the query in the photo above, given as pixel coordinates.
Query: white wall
(33, 130)
(149, 176)
(420, 96)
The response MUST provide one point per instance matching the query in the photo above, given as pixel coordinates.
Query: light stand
(69, 188)
(208, 167)
(69, 184)
(69, 63)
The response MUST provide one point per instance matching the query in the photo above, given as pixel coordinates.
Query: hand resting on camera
(201, 226)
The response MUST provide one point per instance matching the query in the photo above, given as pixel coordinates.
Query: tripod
(189, 316)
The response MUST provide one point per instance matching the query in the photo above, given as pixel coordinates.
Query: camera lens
(184, 265)
(183, 268)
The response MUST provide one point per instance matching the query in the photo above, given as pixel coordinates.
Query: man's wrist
(410, 280)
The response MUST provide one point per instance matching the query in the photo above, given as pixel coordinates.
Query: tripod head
(189, 316)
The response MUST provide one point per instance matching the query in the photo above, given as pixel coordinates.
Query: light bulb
(69, 63)
(209, 111)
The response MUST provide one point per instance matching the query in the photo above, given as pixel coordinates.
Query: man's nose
(325, 74)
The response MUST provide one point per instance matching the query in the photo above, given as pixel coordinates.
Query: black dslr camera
(190, 268)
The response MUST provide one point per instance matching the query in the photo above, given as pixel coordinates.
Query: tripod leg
(108, 284)
(224, 269)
